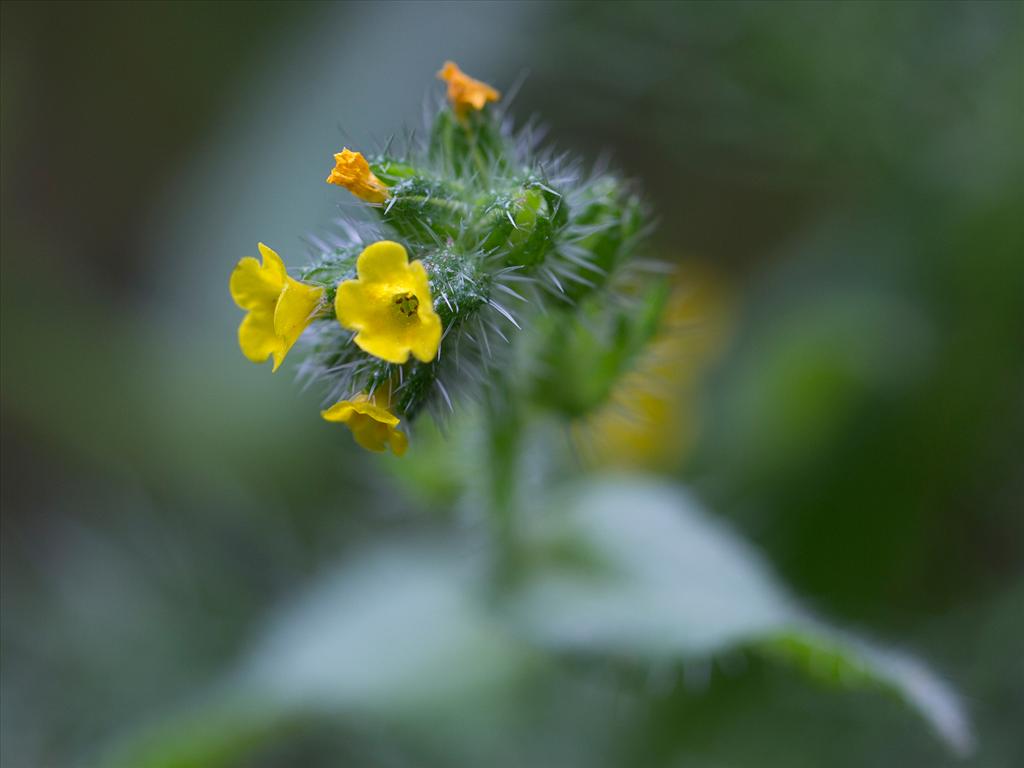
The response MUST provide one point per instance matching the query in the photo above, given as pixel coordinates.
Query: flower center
(407, 303)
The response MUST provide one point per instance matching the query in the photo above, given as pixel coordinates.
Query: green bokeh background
(854, 172)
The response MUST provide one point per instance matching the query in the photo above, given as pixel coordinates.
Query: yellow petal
(352, 171)
(399, 441)
(419, 284)
(252, 286)
(370, 434)
(353, 306)
(339, 412)
(387, 346)
(465, 91)
(368, 305)
(272, 262)
(372, 426)
(279, 307)
(449, 71)
(295, 308)
(256, 336)
(383, 262)
(426, 338)
(375, 412)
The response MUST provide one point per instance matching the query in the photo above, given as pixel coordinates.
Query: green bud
(583, 356)
(522, 222)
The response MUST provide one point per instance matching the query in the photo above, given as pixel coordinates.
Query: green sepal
(468, 145)
(391, 171)
(425, 210)
(460, 287)
(522, 222)
(330, 270)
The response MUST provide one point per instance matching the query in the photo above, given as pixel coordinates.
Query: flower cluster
(407, 307)
(389, 305)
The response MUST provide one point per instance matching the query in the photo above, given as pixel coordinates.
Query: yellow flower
(390, 305)
(652, 420)
(352, 172)
(279, 307)
(463, 91)
(373, 426)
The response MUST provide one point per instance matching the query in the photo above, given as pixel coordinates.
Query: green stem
(504, 446)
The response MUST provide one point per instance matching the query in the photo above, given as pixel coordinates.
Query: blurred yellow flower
(352, 172)
(373, 426)
(390, 305)
(279, 307)
(652, 420)
(464, 92)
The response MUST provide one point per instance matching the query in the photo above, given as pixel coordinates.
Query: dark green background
(854, 171)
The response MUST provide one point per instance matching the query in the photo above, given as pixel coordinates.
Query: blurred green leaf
(398, 635)
(405, 636)
(402, 630)
(671, 583)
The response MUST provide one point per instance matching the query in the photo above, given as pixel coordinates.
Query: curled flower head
(352, 172)
(464, 92)
(390, 305)
(373, 426)
(279, 307)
